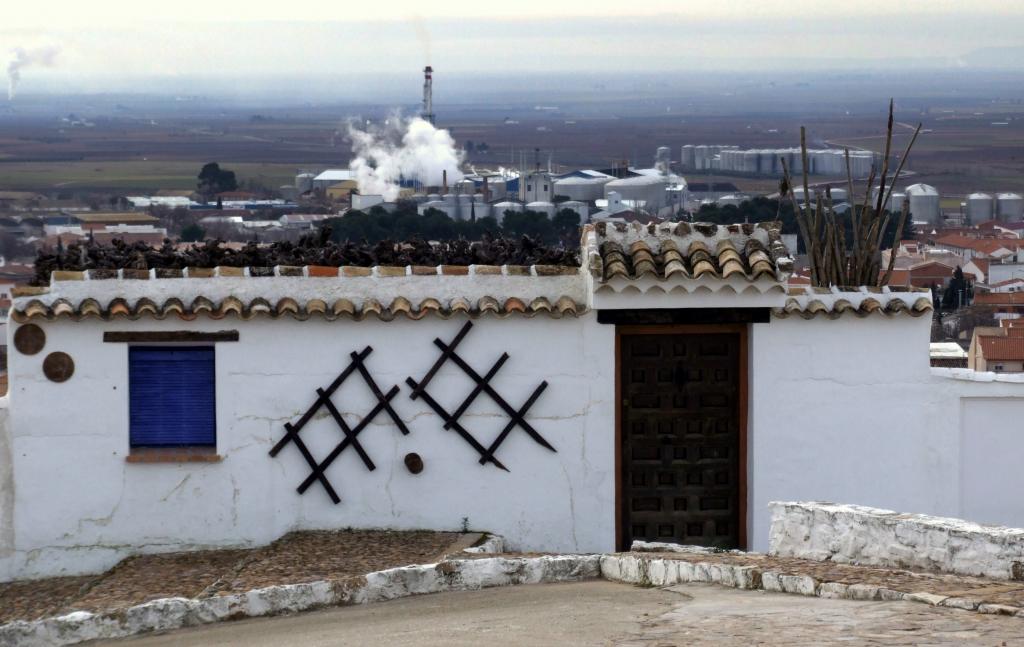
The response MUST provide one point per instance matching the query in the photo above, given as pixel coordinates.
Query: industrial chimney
(428, 94)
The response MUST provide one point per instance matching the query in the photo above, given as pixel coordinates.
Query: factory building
(537, 186)
(328, 178)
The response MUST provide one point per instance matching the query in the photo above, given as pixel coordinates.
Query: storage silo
(585, 189)
(840, 195)
(733, 199)
(979, 207)
(581, 208)
(1010, 207)
(702, 158)
(686, 159)
(438, 205)
(542, 206)
(498, 210)
(924, 204)
(304, 182)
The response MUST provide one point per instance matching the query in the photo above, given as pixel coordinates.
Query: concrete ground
(599, 612)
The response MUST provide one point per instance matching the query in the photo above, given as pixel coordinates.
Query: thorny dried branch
(831, 262)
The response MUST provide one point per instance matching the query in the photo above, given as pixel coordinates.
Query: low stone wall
(174, 613)
(854, 534)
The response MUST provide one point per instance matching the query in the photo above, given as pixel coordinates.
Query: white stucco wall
(79, 507)
(848, 410)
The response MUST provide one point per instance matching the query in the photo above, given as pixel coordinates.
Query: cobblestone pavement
(295, 558)
(598, 612)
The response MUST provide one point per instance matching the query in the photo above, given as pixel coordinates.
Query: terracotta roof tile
(688, 250)
(302, 310)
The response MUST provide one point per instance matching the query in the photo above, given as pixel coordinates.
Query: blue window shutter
(171, 396)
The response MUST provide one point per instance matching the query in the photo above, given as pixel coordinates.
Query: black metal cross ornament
(323, 399)
(517, 417)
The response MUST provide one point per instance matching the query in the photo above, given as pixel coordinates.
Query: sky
(106, 45)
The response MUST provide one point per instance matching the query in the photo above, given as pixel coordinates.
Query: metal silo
(1010, 207)
(686, 159)
(304, 182)
(542, 206)
(979, 207)
(499, 209)
(580, 208)
(924, 204)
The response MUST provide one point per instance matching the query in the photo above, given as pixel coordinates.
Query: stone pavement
(295, 558)
(597, 612)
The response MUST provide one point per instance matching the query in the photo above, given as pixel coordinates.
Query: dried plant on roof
(833, 260)
(312, 249)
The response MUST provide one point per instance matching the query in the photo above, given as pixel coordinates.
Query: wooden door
(680, 439)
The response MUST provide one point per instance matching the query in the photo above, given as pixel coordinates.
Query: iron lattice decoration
(318, 469)
(483, 385)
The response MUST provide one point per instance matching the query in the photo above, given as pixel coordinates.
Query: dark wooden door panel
(680, 438)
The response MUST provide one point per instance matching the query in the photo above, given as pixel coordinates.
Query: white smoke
(22, 58)
(410, 149)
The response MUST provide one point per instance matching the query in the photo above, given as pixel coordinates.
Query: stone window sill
(174, 455)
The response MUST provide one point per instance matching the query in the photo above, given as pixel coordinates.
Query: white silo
(542, 206)
(580, 208)
(840, 195)
(304, 182)
(1010, 207)
(733, 199)
(702, 158)
(686, 159)
(437, 205)
(924, 203)
(896, 201)
(498, 210)
(750, 161)
(586, 189)
(979, 207)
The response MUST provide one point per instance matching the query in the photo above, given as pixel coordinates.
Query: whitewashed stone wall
(78, 506)
(849, 410)
(855, 534)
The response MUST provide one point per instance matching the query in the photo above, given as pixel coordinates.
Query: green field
(130, 176)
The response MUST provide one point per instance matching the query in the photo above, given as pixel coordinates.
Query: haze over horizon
(106, 47)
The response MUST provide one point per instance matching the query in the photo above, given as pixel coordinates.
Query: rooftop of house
(1001, 348)
(115, 217)
(946, 350)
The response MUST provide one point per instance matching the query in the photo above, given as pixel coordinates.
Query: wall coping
(970, 375)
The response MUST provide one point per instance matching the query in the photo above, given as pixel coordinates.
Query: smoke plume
(402, 149)
(23, 58)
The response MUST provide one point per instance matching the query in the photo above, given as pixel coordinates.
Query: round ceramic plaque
(58, 367)
(29, 339)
